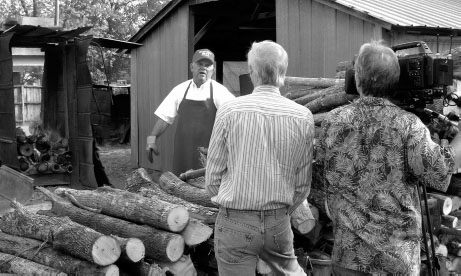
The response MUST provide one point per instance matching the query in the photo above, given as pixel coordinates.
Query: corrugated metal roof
(411, 13)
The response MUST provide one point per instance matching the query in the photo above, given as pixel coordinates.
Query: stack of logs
(107, 231)
(322, 95)
(40, 154)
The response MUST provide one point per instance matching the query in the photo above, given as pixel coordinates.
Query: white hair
(267, 62)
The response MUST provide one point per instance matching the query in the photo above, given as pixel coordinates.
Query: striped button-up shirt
(260, 152)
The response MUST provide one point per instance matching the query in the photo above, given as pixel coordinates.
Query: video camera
(424, 77)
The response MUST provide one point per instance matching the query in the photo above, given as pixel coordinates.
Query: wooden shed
(317, 34)
(66, 98)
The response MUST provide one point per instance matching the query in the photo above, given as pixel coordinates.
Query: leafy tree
(117, 19)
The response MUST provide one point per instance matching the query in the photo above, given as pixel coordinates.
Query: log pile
(41, 153)
(444, 208)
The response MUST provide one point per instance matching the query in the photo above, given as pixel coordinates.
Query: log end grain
(175, 248)
(177, 219)
(105, 251)
(135, 250)
(196, 232)
(110, 270)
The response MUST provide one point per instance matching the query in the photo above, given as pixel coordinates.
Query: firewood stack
(321, 96)
(43, 153)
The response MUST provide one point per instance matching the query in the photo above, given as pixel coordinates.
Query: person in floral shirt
(374, 155)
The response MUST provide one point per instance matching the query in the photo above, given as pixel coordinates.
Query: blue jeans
(241, 237)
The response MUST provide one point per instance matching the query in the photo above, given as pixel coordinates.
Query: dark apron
(195, 123)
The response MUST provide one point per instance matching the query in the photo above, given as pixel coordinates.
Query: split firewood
(132, 207)
(182, 267)
(142, 268)
(302, 219)
(454, 247)
(206, 214)
(329, 102)
(320, 93)
(192, 174)
(19, 266)
(66, 235)
(196, 232)
(43, 253)
(171, 184)
(445, 202)
(159, 245)
(449, 221)
(314, 82)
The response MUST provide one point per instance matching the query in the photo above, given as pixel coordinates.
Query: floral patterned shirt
(374, 153)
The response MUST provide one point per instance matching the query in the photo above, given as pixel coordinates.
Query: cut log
(142, 268)
(314, 82)
(132, 207)
(454, 247)
(320, 93)
(296, 92)
(171, 184)
(196, 232)
(192, 174)
(302, 219)
(66, 235)
(445, 202)
(329, 102)
(206, 214)
(132, 249)
(456, 203)
(183, 267)
(441, 250)
(159, 245)
(449, 221)
(28, 249)
(198, 182)
(26, 149)
(138, 179)
(317, 198)
(319, 117)
(17, 265)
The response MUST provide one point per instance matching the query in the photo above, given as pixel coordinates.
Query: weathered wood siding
(318, 37)
(156, 68)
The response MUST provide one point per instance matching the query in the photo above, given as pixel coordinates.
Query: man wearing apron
(193, 104)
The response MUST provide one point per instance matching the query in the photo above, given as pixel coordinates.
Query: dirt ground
(116, 159)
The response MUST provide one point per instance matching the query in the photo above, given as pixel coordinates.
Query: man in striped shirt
(259, 168)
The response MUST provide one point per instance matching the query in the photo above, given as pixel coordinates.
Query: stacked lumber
(444, 208)
(43, 153)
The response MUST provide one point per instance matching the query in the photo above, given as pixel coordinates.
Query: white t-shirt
(168, 109)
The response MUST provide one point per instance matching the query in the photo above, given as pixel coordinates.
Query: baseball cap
(203, 54)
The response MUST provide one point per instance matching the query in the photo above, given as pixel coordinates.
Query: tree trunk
(27, 248)
(142, 268)
(64, 234)
(205, 214)
(171, 184)
(17, 265)
(132, 207)
(192, 174)
(314, 82)
(302, 219)
(196, 232)
(159, 245)
(329, 102)
(317, 94)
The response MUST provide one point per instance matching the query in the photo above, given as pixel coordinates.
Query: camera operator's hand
(151, 147)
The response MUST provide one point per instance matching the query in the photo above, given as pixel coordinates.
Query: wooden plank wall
(318, 37)
(156, 68)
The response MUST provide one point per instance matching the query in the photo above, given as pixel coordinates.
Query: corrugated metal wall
(318, 37)
(156, 68)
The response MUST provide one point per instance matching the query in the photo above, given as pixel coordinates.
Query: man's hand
(151, 148)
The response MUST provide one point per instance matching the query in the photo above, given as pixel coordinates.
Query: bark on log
(138, 179)
(198, 182)
(27, 248)
(159, 245)
(445, 202)
(314, 82)
(142, 268)
(171, 184)
(183, 267)
(302, 219)
(296, 92)
(192, 174)
(206, 214)
(17, 265)
(449, 221)
(66, 235)
(329, 102)
(196, 232)
(132, 207)
(319, 117)
(321, 93)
